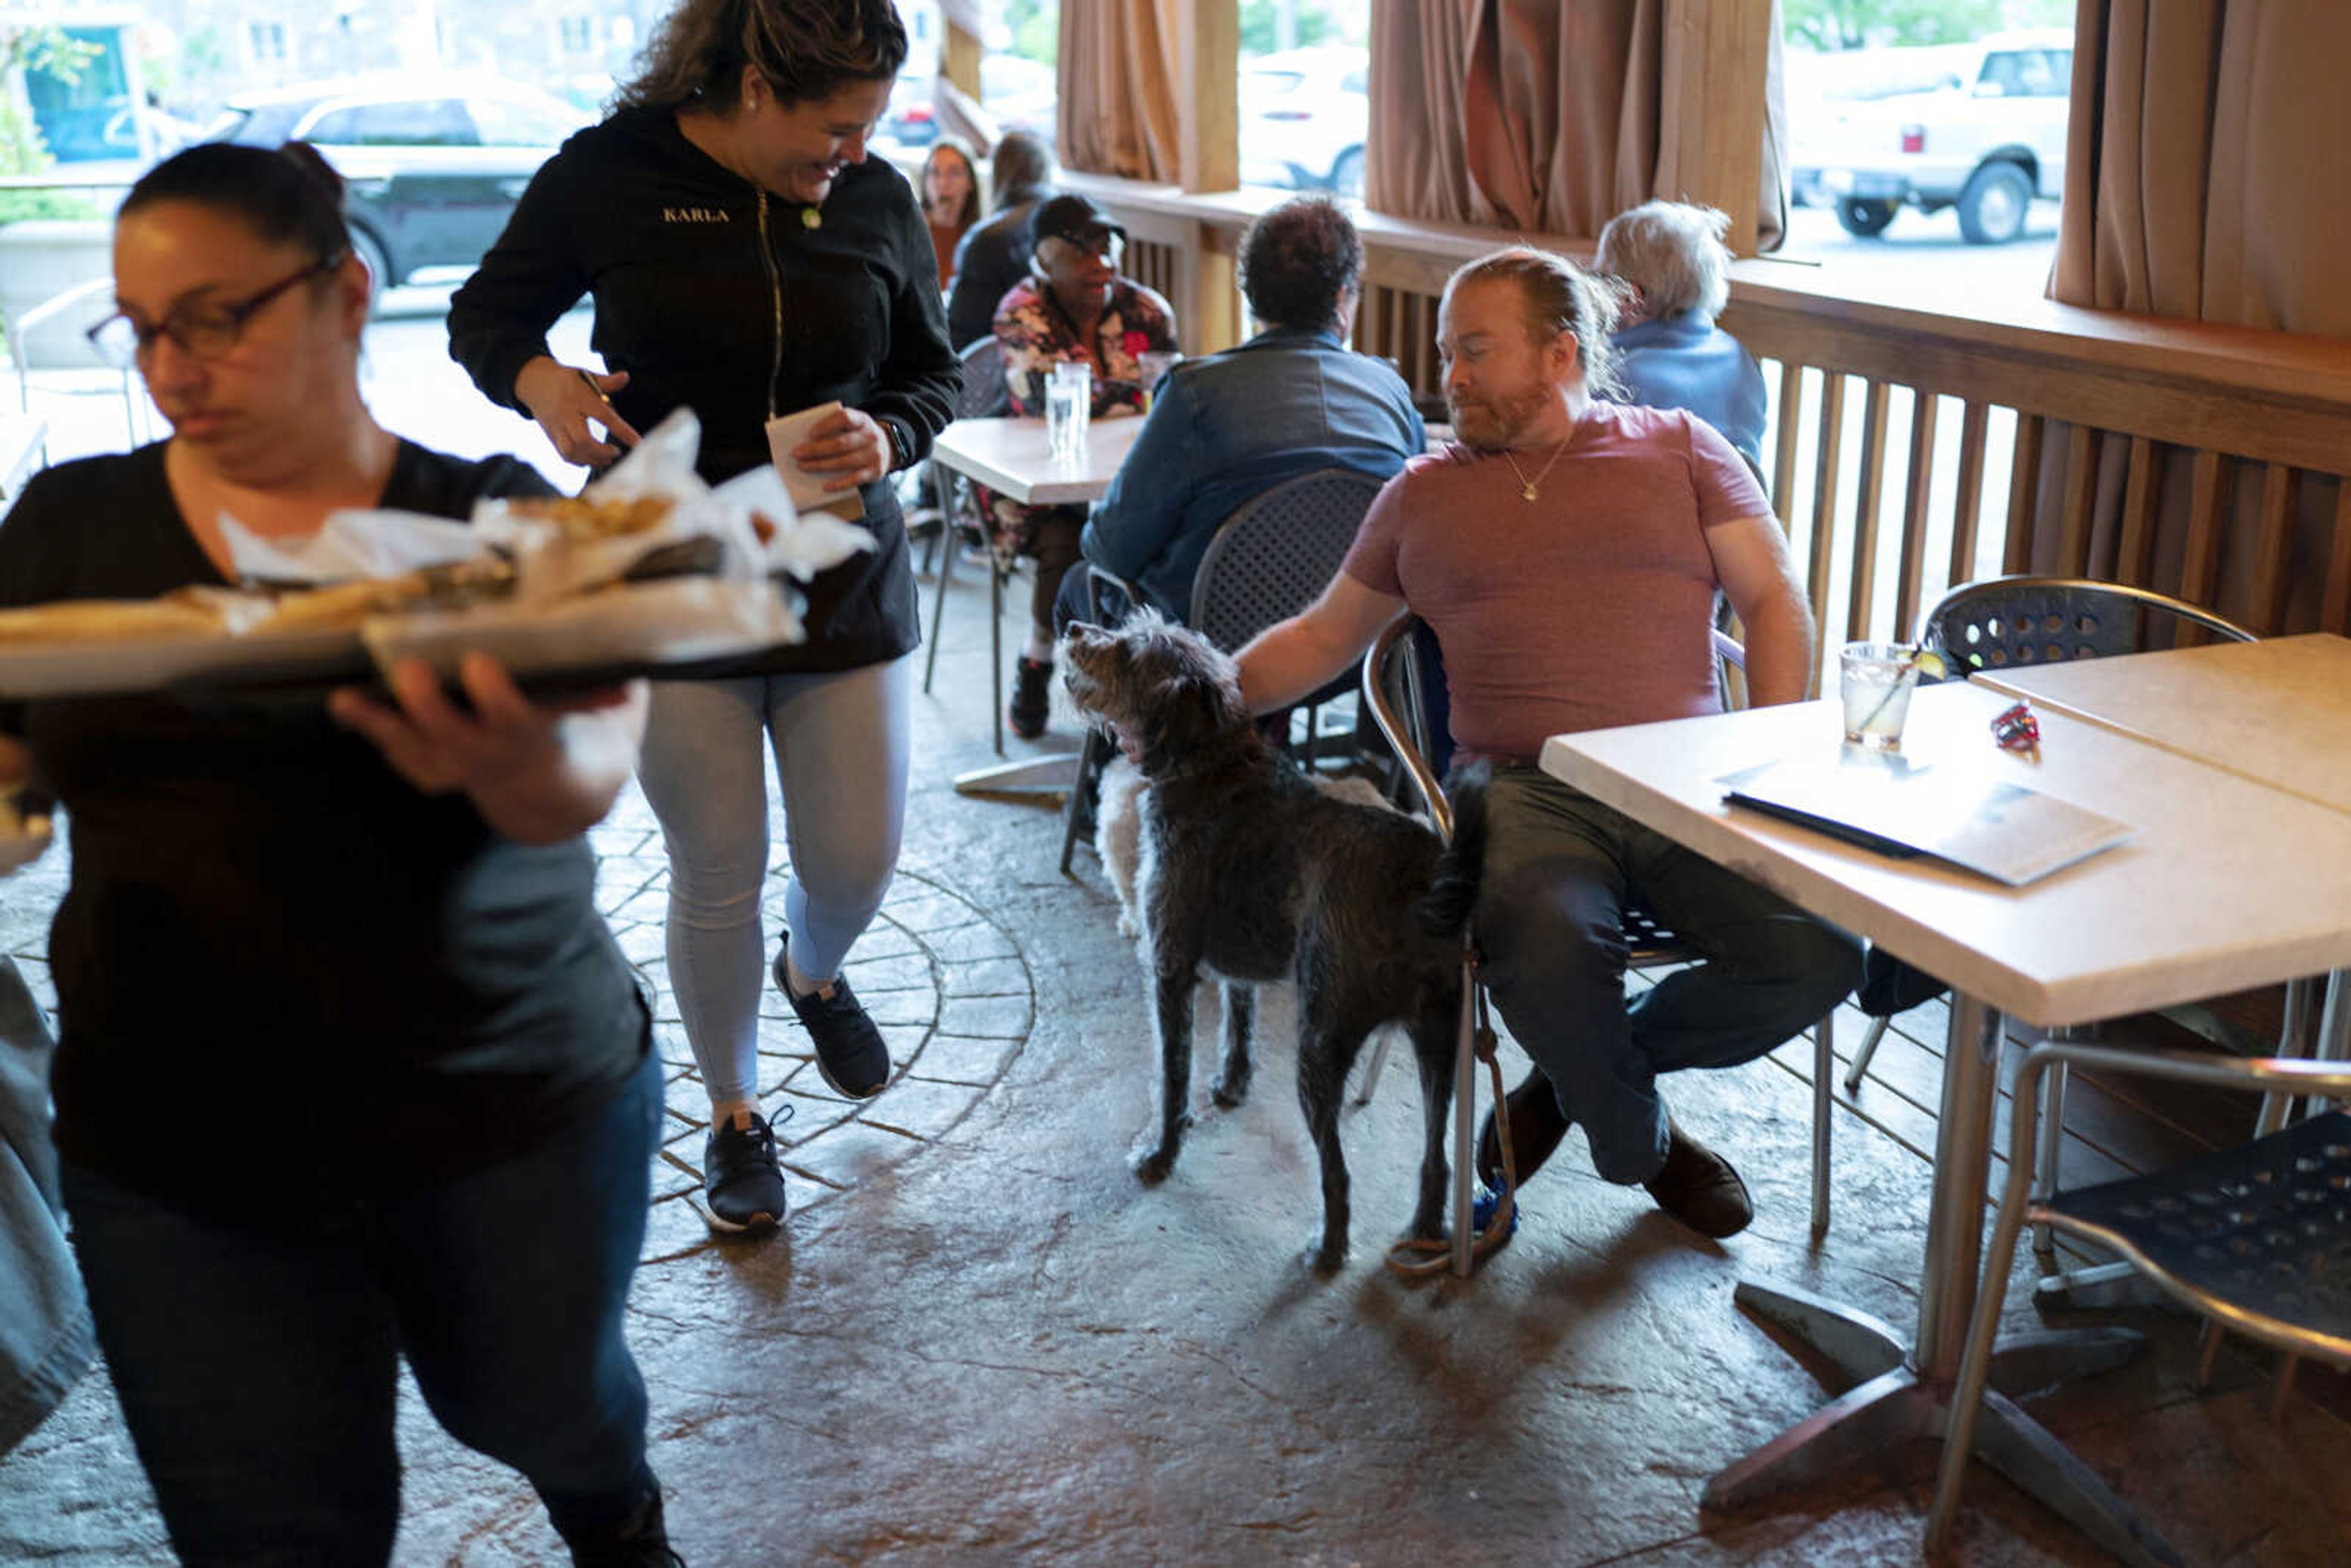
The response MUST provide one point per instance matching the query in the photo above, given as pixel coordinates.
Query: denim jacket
(1684, 361)
(1232, 425)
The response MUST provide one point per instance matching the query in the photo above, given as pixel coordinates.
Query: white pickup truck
(1988, 141)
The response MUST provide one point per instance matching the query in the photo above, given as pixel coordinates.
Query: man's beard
(1492, 424)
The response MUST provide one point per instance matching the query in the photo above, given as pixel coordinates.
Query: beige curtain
(1118, 111)
(1563, 104)
(1415, 163)
(2204, 179)
(1531, 114)
(2205, 175)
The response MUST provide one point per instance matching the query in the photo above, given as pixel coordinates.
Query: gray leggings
(842, 743)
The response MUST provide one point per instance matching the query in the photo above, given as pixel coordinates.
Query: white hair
(1673, 253)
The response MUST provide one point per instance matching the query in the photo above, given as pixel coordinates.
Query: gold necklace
(1526, 485)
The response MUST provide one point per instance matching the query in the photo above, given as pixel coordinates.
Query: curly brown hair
(801, 50)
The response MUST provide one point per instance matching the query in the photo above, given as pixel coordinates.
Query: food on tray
(114, 620)
(344, 605)
(586, 518)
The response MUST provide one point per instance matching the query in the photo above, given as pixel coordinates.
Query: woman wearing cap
(746, 260)
(349, 1069)
(1074, 305)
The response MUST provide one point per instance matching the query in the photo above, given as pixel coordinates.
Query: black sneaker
(742, 1188)
(849, 1052)
(1031, 702)
(641, 1541)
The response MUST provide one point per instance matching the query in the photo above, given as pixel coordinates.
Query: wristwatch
(901, 445)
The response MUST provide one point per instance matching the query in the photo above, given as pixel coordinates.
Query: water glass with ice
(1069, 400)
(1876, 680)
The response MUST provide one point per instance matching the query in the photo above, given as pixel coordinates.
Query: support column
(1207, 89)
(1711, 151)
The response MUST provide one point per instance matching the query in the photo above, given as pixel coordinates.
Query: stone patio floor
(981, 1341)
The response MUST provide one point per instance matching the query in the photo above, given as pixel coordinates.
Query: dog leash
(1417, 1258)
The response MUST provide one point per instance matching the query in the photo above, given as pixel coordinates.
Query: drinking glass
(1069, 400)
(1151, 364)
(1876, 680)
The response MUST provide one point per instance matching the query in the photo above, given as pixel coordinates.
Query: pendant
(810, 218)
(1526, 492)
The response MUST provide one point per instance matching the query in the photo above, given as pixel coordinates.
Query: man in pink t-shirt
(1567, 554)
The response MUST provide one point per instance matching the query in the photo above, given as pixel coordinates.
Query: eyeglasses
(202, 331)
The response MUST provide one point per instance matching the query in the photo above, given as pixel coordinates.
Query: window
(265, 43)
(578, 34)
(401, 122)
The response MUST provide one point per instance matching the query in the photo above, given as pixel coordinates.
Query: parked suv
(433, 164)
(1988, 144)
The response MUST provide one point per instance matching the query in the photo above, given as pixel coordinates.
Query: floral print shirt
(1036, 332)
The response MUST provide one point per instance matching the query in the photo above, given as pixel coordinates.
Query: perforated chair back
(985, 394)
(2003, 622)
(1277, 552)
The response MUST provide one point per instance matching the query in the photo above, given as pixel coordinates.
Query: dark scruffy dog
(1250, 874)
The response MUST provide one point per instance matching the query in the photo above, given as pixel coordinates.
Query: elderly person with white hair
(1672, 355)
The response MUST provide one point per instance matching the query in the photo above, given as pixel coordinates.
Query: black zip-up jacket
(717, 296)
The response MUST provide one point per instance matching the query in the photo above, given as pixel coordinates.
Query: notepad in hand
(1995, 829)
(808, 490)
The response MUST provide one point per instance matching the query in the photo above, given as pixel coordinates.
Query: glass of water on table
(1068, 402)
(1875, 680)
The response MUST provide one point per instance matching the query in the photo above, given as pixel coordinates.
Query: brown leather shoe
(1536, 1127)
(1699, 1187)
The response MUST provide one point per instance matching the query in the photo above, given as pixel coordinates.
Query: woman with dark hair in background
(994, 256)
(746, 260)
(352, 950)
(950, 200)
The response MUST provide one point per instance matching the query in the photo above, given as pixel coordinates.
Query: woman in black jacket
(746, 261)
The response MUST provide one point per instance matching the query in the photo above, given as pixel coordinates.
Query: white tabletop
(2226, 884)
(2278, 711)
(1010, 455)
(20, 444)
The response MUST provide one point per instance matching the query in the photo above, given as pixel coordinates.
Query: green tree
(22, 151)
(1035, 28)
(1261, 36)
(1830, 24)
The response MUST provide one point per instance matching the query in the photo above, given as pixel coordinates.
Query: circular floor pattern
(948, 986)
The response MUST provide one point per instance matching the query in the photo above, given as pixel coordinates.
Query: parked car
(434, 164)
(1304, 115)
(1823, 88)
(1018, 93)
(1988, 144)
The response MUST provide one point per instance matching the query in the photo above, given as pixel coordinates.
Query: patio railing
(1913, 448)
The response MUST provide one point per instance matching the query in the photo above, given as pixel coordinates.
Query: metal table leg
(1898, 1393)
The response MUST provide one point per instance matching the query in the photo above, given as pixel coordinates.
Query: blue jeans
(1560, 867)
(842, 744)
(256, 1365)
(45, 1338)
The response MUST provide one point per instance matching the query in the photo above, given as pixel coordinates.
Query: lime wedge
(1929, 663)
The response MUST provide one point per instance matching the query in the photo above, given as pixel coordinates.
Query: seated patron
(993, 256)
(1669, 353)
(1567, 552)
(1230, 427)
(1075, 306)
(950, 202)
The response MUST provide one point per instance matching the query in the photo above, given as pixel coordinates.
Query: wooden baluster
(2280, 506)
(2335, 615)
(1910, 583)
(1967, 516)
(2207, 489)
(1824, 490)
(2081, 494)
(2023, 493)
(1784, 456)
(1869, 482)
(2135, 557)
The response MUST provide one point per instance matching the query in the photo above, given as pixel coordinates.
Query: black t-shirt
(286, 980)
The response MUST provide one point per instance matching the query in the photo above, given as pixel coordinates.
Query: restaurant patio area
(981, 1340)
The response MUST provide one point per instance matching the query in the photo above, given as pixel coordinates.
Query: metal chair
(1269, 560)
(984, 395)
(1394, 675)
(2006, 623)
(2257, 1236)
